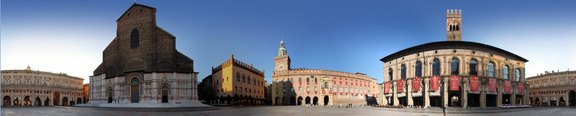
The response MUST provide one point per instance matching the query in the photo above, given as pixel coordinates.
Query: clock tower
(282, 61)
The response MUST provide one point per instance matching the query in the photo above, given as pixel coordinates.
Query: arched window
(307, 89)
(307, 79)
(518, 74)
(243, 78)
(390, 72)
(238, 76)
(490, 69)
(457, 27)
(436, 67)
(473, 67)
(418, 69)
(299, 79)
(134, 38)
(454, 66)
(248, 80)
(403, 72)
(505, 71)
(135, 80)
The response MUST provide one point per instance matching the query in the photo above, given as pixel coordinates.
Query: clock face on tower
(281, 64)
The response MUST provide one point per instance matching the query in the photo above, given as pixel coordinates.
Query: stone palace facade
(454, 73)
(319, 87)
(38, 88)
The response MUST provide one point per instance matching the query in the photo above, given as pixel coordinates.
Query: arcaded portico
(38, 88)
(553, 88)
(454, 73)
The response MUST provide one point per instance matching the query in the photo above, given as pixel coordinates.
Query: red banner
(491, 85)
(474, 83)
(416, 84)
(400, 85)
(387, 88)
(434, 83)
(507, 87)
(520, 89)
(454, 83)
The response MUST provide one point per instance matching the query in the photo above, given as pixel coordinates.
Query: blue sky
(69, 35)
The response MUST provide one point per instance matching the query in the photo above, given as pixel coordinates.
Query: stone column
(513, 98)
(409, 92)
(395, 93)
(426, 92)
(558, 101)
(482, 96)
(464, 94)
(567, 101)
(445, 91)
(499, 95)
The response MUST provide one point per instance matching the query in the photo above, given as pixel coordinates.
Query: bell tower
(282, 61)
(454, 24)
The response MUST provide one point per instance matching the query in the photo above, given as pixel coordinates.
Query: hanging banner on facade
(520, 89)
(416, 84)
(507, 87)
(454, 83)
(474, 83)
(387, 88)
(400, 85)
(492, 85)
(434, 83)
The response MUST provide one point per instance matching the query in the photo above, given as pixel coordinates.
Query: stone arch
(16, 101)
(37, 101)
(326, 100)
(134, 90)
(65, 101)
(315, 100)
(164, 92)
(7, 101)
(27, 101)
(307, 100)
(47, 102)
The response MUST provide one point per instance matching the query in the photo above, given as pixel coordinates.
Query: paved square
(272, 111)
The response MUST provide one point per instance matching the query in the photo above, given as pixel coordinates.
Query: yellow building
(236, 82)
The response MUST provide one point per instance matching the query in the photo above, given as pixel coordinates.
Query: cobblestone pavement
(280, 111)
